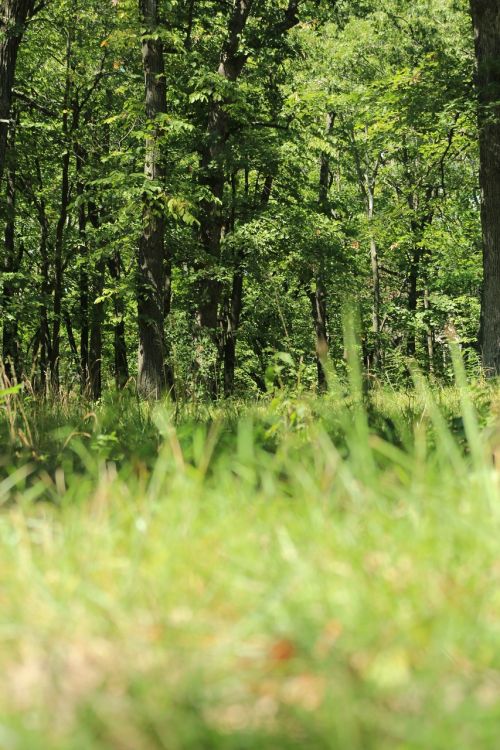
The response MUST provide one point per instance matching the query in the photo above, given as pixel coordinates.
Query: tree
(14, 15)
(486, 20)
(151, 377)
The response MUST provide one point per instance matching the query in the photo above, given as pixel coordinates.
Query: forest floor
(297, 573)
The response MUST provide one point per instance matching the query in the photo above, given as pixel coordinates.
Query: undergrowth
(294, 573)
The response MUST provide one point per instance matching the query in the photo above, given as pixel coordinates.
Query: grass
(297, 573)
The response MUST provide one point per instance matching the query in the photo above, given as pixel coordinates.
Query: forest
(282, 162)
(249, 394)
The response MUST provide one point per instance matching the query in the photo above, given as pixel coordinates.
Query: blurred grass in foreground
(297, 573)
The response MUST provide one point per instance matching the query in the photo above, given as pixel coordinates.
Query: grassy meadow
(299, 572)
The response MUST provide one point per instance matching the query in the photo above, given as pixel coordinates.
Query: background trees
(291, 156)
(486, 19)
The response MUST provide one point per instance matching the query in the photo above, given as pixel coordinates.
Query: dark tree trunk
(58, 289)
(318, 297)
(46, 286)
(13, 17)
(151, 380)
(83, 275)
(486, 19)
(58, 275)
(95, 343)
(375, 354)
(120, 344)
(367, 179)
(96, 317)
(319, 312)
(413, 275)
(429, 336)
(423, 213)
(10, 339)
(232, 324)
(167, 307)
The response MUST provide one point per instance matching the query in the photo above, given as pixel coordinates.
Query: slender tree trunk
(10, 339)
(167, 307)
(13, 17)
(46, 287)
(59, 274)
(232, 325)
(375, 357)
(429, 332)
(120, 344)
(486, 20)
(96, 317)
(95, 343)
(318, 300)
(83, 274)
(151, 381)
(318, 297)
(411, 346)
(60, 228)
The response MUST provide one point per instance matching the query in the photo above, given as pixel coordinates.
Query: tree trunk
(83, 274)
(96, 317)
(58, 275)
(375, 356)
(151, 380)
(486, 20)
(319, 312)
(46, 286)
(232, 324)
(429, 332)
(318, 297)
(10, 338)
(13, 17)
(60, 228)
(95, 343)
(120, 344)
(413, 275)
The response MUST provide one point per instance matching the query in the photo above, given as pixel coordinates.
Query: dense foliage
(289, 159)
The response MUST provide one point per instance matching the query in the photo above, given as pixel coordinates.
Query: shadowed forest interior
(191, 189)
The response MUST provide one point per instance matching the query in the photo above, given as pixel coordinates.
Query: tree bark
(318, 301)
(10, 337)
(429, 332)
(411, 346)
(486, 20)
(83, 281)
(46, 285)
(367, 179)
(96, 317)
(13, 17)
(120, 345)
(151, 379)
(61, 226)
(375, 358)
(318, 296)
(232, 325)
